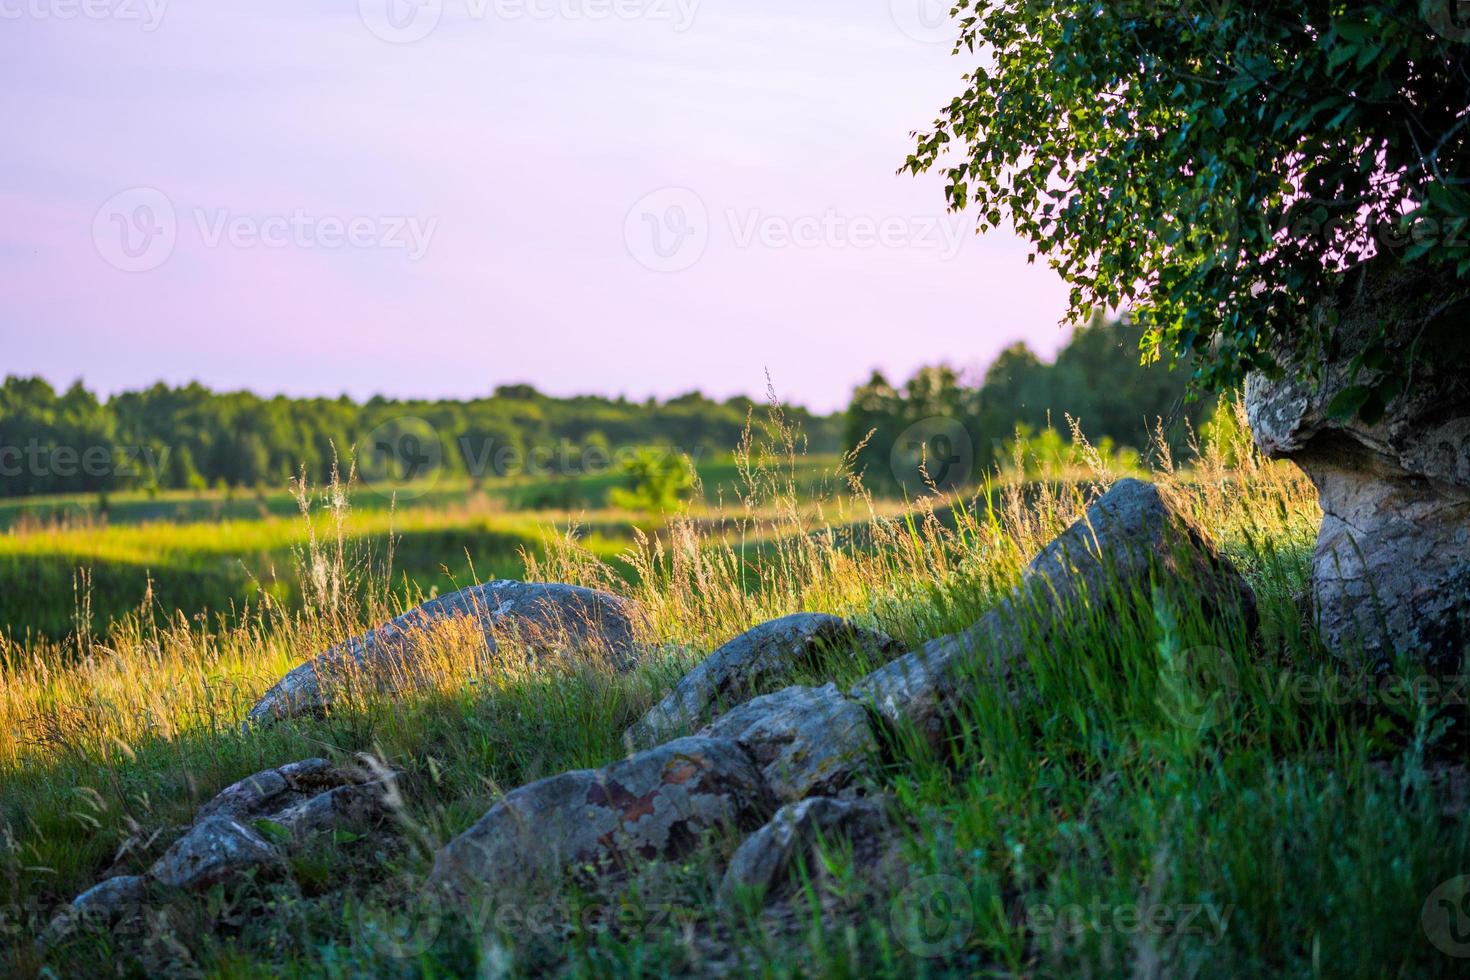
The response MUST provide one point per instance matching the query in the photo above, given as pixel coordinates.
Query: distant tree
(182, 473)
(252, 461)
(658, 481)
(874, 419)
(517, 393)
(1096, 379)
(224, 432)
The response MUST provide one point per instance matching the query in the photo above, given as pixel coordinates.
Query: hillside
(1171, 793)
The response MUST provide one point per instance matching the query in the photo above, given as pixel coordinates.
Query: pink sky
(618, 196)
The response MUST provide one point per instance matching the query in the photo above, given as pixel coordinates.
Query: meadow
(1121, 819)
(75, 563)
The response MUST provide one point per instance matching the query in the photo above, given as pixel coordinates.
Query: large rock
(548, 619)
(767, 654)
(807, 741)
(99, 907)
(214, 850)
(272, 790)
(1391, 570)
(657, 804)
(254, 824)
(764, 863)
(288, 804)
(1127, 536)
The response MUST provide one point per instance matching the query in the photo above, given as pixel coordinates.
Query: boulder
(1128, 535)
(100, 906)
(766, 860)
(767, 654)
(548, 619)
(657, 804)
(214, 850)
(272, 790)
(807, 741)
(253, 824)
(123, 891)
(293, 801)
(354, 805)
(1391, 569)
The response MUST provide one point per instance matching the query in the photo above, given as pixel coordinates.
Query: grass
(1119, 818)
(221, 552)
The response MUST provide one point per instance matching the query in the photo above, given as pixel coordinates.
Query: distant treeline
(960, 430)
(192, 437)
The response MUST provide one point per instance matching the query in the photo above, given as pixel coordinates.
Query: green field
(68, 564)
(1288, 835)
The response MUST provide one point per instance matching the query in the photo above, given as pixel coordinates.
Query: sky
(429, 198)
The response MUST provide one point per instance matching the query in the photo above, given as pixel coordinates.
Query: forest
(192, 438)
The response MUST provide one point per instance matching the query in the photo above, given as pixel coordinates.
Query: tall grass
(1299, 836)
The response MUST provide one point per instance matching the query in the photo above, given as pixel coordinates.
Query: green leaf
(1355, 29)
(1349, 402)
(273, 832)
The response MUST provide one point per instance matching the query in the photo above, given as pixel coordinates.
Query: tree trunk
(1391, 571)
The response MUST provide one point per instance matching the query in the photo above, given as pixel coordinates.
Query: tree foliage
(1214, 166)
(187, 437)
(1096, 380)
(660, 481)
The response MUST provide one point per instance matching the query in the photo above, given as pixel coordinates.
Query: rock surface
(226, 840)
(657, 804)
(271, 790)
(548, 618)
(1391, 571)
(1126, 535)
(754, 659)
(213, 850)
(767, 858)
(807, 741)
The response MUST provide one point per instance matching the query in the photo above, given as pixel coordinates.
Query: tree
(1280, 188)
(182, 473)
(660, 481)
(875, 417)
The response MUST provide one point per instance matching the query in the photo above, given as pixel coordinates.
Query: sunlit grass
(1310, 830)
